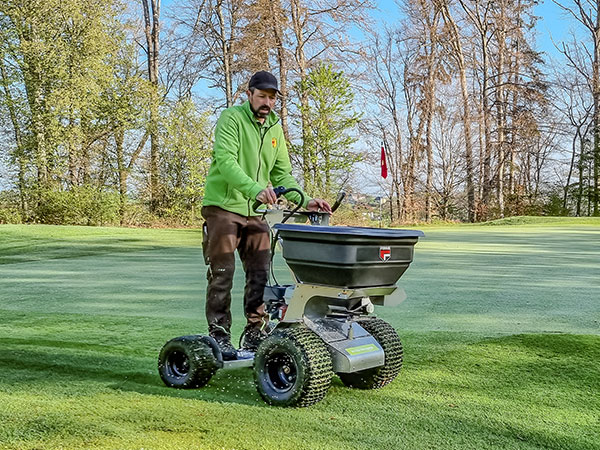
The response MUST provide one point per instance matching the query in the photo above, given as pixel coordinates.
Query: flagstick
(380, 211)
(384, 174)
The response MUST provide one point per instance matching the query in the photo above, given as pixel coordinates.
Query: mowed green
(501, 330)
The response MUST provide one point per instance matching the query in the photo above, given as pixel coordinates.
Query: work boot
(252, 337)
(228, 351)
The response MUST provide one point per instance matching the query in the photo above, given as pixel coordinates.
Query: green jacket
(246, 156)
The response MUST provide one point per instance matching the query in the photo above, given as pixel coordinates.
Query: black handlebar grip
(280, 190)
(256, 205)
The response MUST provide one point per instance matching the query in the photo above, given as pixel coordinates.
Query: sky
(552, 23)
(553, 26)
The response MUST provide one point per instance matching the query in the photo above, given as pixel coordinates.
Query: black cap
(263, 80)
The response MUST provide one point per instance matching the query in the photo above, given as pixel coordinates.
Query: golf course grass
(501, 330)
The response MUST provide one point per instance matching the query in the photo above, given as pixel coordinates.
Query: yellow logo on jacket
(274, 142)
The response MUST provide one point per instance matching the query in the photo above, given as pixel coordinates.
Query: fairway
(501, 330)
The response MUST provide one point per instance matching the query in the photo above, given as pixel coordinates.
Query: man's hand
(317, 204)
(267, 195)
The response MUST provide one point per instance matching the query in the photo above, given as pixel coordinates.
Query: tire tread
(202, 362)
(316, 362)
(381, 376)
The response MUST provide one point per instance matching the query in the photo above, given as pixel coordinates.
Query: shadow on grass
(552, 369)
(71, 249)
(46, 363)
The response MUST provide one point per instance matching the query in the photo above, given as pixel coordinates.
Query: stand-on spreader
(325, 322)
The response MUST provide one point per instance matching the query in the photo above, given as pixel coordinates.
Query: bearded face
(262, 102)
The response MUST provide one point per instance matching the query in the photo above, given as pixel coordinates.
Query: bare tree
(383, 57)
(448, 168)
(478, 13)
(574, 101)
(423, 35)
(587, 13)
(210, 36)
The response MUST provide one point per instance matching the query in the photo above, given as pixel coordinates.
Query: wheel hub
(179, 364)
(281, 372)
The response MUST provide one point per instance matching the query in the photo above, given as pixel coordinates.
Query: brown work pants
(224, 232)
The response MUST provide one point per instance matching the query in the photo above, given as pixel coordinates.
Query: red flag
(383, 163)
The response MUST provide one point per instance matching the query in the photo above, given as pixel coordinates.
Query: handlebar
(338, 201)
(315, 217)
(279, 191)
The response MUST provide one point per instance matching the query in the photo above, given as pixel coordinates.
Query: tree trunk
(580, 168)
(125, 169)
(73, 157)
(501, 109)
(414, 144)
(152, 29)
(278, 34)
(596, 95)
(41, 157)
(35, 100)
(296, 13)
(487, 153)
(466, 119)
(119, 138)
(571, 166)
(430, 89)
(515, 63)
(225, 49)
(430, 96)
(478, 12)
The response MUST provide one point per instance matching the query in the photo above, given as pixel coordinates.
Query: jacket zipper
(262, 140)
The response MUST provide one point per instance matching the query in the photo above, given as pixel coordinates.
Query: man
(249, 152)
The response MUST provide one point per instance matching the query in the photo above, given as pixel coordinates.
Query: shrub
(9, 207)
(554, 205)
(180, 215)
(355, 215)
(82, 205)
(9, 215)
(136, 214)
